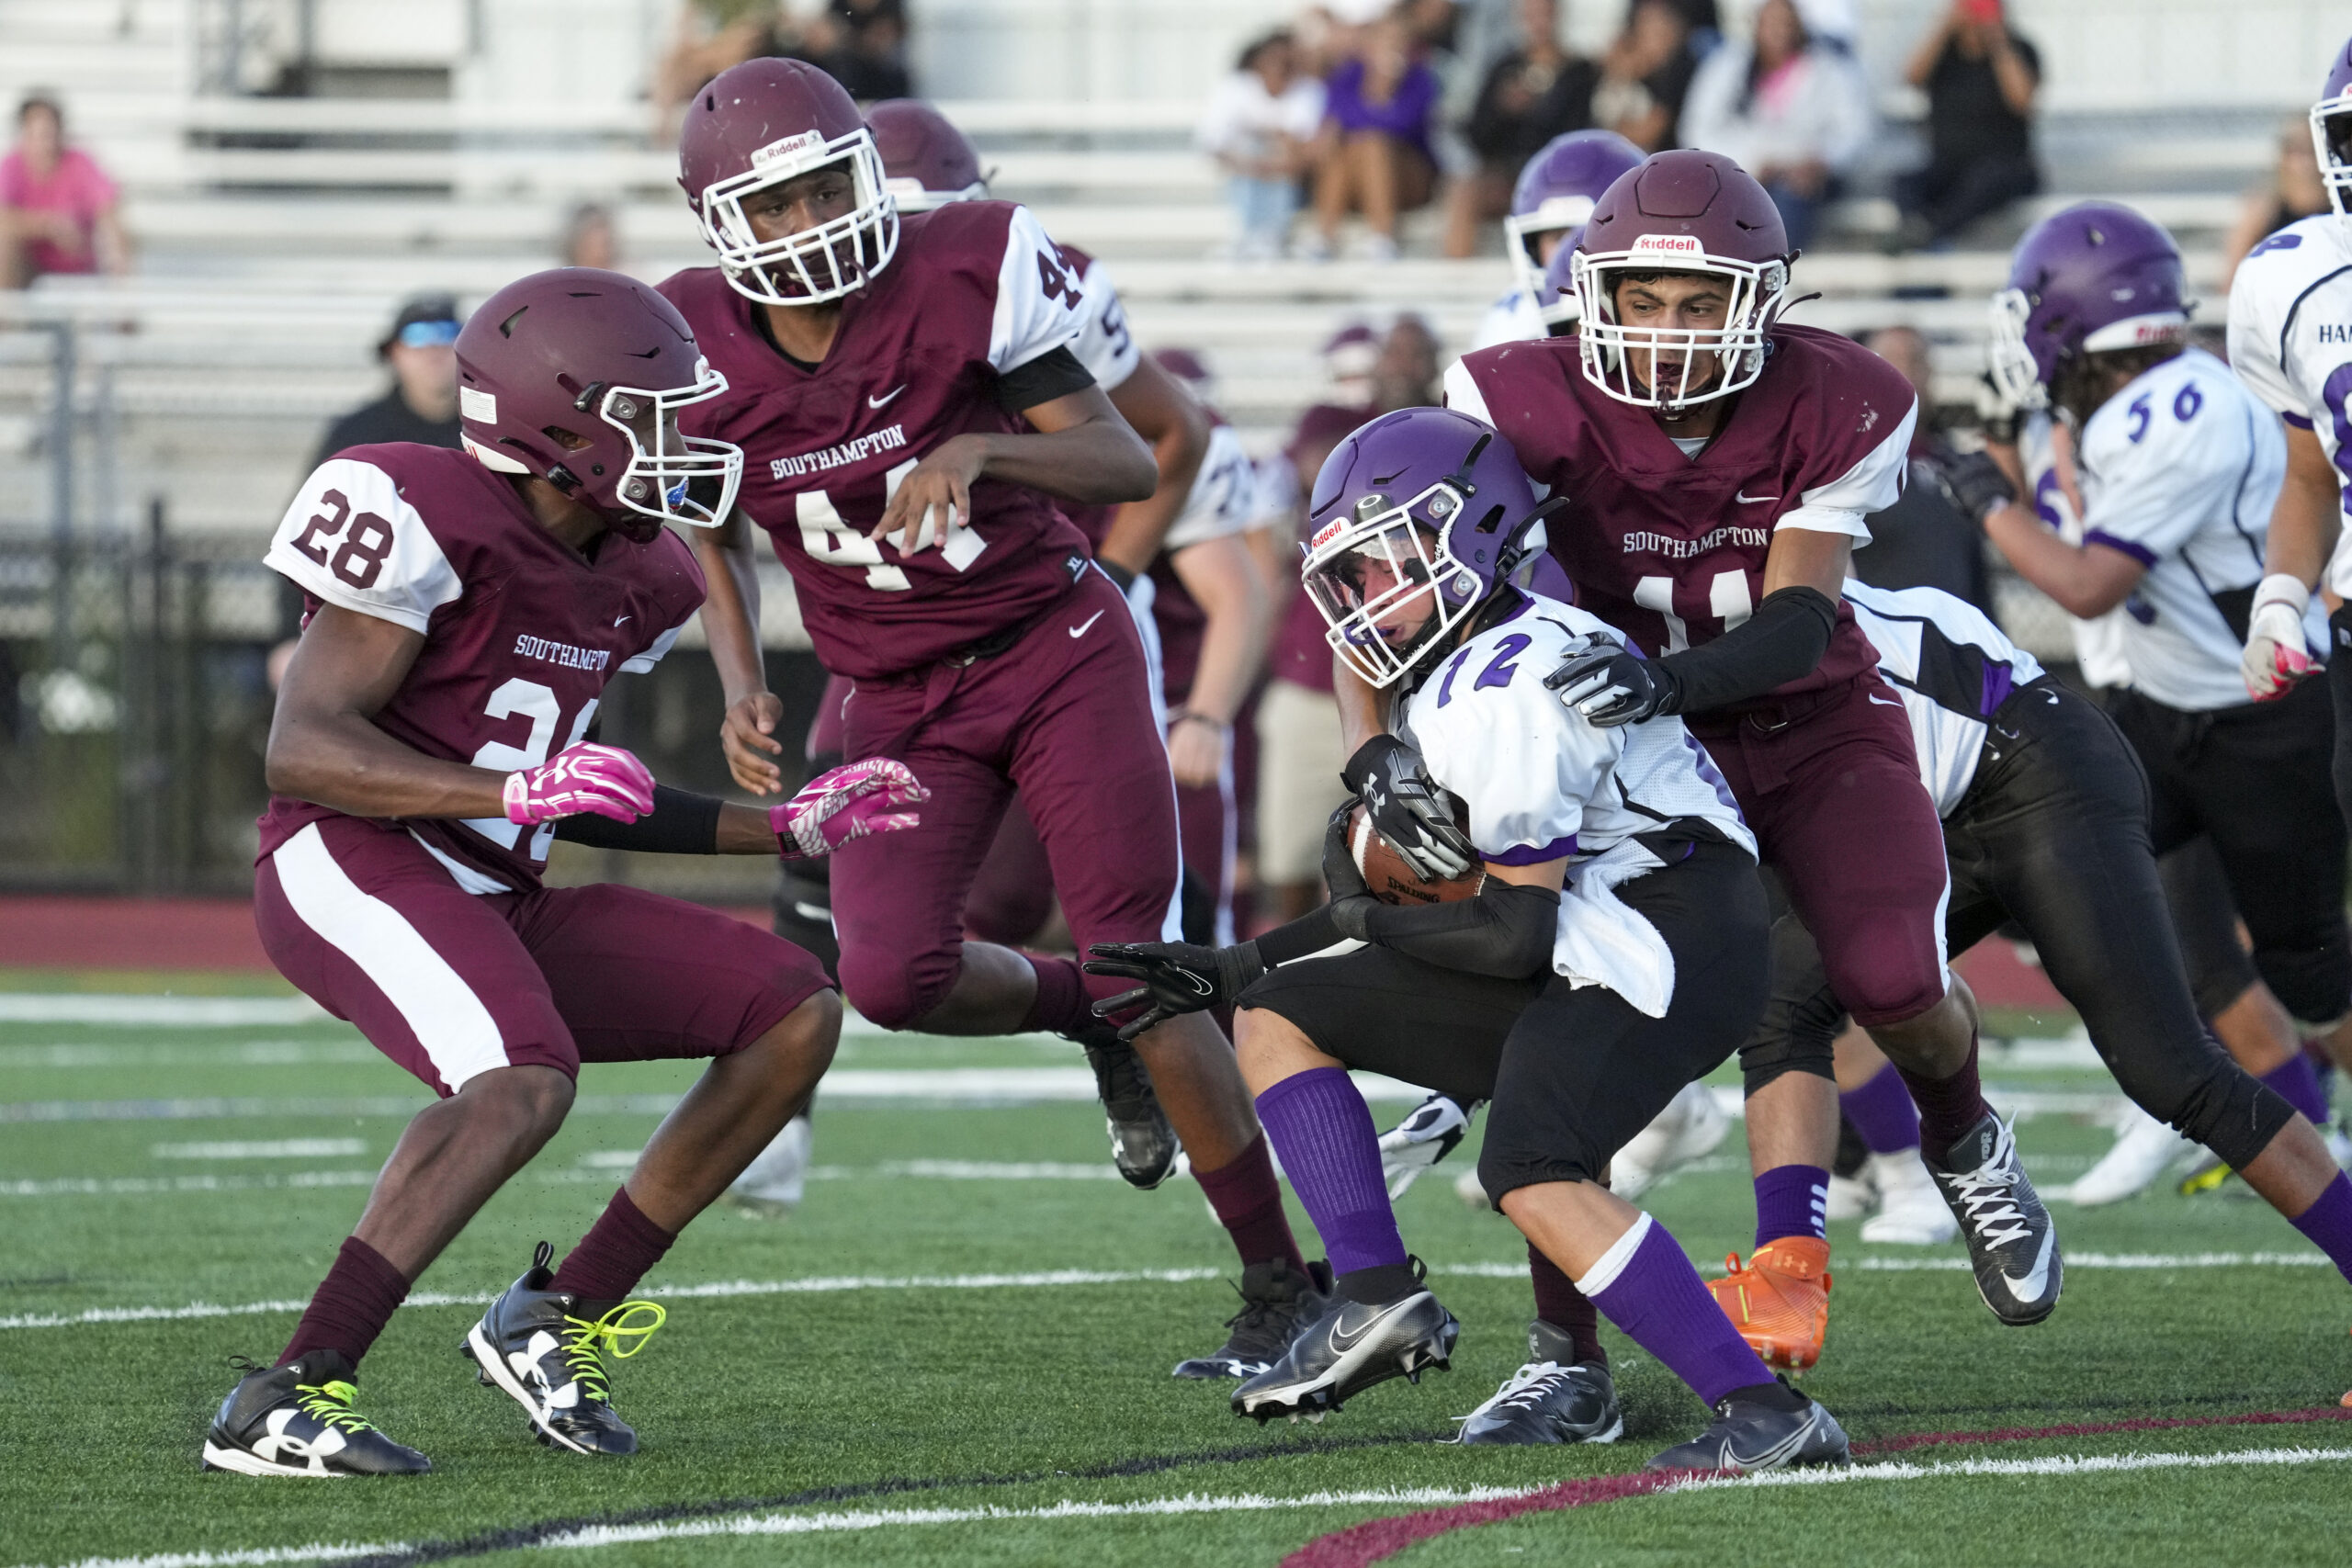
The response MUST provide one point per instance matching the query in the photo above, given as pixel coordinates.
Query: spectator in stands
(866, 49)
(1645, 74)
(1375, 155)
(1260, 128)
(2291, 190)
(1791, 112)
(59, 212)
(591, 237)
(1405, 375)
(1348, 360)
(1532, 94)
(860, 43)
(1981, 77)
(1924, 540)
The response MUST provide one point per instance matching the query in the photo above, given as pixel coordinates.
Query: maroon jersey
(975, 290)
(1668, 548)
(521, 632)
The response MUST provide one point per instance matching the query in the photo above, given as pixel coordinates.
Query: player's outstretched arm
(1161, 412)
(1221, 574)
(324, 746)
(2304, 522)
(730, 619)
(1080, 450)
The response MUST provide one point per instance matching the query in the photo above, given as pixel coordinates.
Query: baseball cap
(425, 321)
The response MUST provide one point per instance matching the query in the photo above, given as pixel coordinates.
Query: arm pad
(681, 823)
(1783, 640)
(1507, 931)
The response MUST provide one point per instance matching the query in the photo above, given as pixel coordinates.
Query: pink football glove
(846, 804)
(2275, 656)
(589, 777)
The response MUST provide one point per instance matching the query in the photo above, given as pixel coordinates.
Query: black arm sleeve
(1053, 374)
(681, 823)
(1784, 640)
(1311, 933)
(1507, 931)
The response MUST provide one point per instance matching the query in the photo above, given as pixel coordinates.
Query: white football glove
(1433, 1130)
(2275, 656)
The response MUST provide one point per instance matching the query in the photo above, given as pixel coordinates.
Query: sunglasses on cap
(427, 335)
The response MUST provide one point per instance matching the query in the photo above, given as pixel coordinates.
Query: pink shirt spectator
(76, 188)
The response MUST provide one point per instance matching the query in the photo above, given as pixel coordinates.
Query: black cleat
(1275, 1303)
(1351, 1348)
(2012, 1244)
(297, 1420)
(1746, 1435)
(546, 1350)
(1553, 1398)
(1143, 1146)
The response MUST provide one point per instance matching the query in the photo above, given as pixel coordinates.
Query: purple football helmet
(926, 161)
(1555, 195)
(1684, 211)
(1555, 300)
(1420, 503)
(575, 377)
(2094, 277)
(2332, 130)
(760, 124)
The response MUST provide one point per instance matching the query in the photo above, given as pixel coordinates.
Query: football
(1393, 881)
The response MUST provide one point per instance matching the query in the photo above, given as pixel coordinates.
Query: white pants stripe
(457, 1032)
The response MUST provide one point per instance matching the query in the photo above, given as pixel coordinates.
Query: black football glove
(1352, 897)
(1977, 485)
(2002, 417)
(1178, 977)
(1408, 808)
(1612, 685)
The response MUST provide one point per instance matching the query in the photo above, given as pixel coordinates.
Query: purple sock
(2328, 1223)
(1649, 1290)
(1322, 1129)
(1882, 1113)
(2298, 1084)
(1792, 1200)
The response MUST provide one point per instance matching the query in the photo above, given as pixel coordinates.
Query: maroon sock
(1560, 1304)
(1063, 1005)
(614, 1254)
(1947, 1106)
(352, 1304)
(1248, 1204)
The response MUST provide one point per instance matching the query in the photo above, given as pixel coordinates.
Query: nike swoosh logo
(1883, 702)
(1343, 1338)
(623, 619)
(1746, 499)
(2029, 1288)
(1081, 628)
(882, 402)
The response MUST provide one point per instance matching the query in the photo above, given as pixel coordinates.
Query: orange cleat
(1779, 1303)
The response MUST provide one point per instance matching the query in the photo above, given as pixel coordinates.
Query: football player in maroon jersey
(1716, 466)
(466, 610)
(907, 398)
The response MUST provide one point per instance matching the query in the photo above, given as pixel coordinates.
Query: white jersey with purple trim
(1514, 318)
(2179, 470)
(1225, 494)
(2290, 341)
(1952, 668)
(1540, 780)
(2099, 642)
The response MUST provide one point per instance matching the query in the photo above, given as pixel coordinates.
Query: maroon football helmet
(575, 375)
(1684, 212)
(926, 161)
(760, 124)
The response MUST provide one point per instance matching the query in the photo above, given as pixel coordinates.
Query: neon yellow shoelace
(331, 1403)
(585, 1343)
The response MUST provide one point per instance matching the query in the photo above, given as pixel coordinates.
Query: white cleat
(1689, 1129)
(1472, 1191)
(1851, 1197)
(772, 1183)
(2144, 1148)
(1911, 1212)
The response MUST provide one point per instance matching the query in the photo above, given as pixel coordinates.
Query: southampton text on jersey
(563, 653)
(889, 438)
(1730, 534)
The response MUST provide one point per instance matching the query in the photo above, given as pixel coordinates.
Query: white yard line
(781, 1522)
(271, 1148)
(156, 1012)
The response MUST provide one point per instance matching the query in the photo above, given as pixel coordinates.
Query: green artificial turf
(884, 1399)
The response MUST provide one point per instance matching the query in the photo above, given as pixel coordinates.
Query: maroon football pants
(1013, 894)
(1834, 800)
(1065, 717)
(449, 983)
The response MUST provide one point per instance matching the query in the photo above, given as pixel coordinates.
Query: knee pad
(897, 990)
(2315, 984)
(1765, 1058)
(2225, 1107)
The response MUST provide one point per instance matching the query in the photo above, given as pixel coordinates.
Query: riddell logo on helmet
(1668, 245)
(1325, 534)
(807, 142)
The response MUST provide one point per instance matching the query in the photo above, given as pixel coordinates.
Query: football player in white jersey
(2179, 467)
(1613, 951)
(1553, 196)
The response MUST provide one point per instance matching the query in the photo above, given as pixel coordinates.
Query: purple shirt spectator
(1406, 116)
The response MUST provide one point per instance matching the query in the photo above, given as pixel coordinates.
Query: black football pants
(2053, 832)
